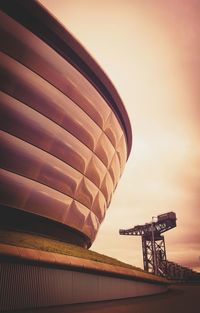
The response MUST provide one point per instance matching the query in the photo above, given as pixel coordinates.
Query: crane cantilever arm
(135, 231)
(165, 222)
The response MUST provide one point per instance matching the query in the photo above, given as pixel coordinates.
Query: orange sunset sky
(150, 49)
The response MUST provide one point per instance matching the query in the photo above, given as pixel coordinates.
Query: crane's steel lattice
(153, 243)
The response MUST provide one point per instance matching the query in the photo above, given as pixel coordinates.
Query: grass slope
(38, 242)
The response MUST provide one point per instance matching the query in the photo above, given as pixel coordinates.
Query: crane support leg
(148, 255)
(154, 255)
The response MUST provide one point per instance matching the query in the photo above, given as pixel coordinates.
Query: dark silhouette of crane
(153, 242)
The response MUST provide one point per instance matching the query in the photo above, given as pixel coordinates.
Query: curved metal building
(65, 134)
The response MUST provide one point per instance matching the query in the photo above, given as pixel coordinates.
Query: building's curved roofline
(38, 20)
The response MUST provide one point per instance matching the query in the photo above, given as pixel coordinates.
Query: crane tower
(153, 243)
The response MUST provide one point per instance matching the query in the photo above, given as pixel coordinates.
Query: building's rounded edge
(32, 223)
(40, 21)
(107, 89)
(53, 259)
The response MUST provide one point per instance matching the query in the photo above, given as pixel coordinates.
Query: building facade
(65, 134)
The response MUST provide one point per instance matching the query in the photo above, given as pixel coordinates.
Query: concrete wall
(28, 286)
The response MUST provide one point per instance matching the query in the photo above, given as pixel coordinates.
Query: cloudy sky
(151, 52)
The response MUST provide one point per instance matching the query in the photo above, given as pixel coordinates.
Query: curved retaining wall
(54, 279)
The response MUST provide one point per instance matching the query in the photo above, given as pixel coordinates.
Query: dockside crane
(153, 242)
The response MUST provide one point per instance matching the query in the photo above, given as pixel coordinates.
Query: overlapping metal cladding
(64, 145)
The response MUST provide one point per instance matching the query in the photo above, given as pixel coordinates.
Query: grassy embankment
(45, 244)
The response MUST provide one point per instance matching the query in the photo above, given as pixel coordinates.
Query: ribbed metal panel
(60, 137)
(29, 286)
(23, 286)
